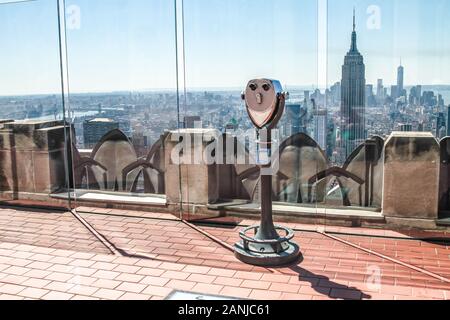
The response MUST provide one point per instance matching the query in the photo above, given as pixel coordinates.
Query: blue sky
(129, 44)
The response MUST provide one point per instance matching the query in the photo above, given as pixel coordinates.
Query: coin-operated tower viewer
(262, 244)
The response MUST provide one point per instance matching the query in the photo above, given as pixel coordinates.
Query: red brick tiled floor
(157, 256)
(59, 230)
(431, 256)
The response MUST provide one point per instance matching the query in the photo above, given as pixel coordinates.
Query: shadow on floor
(305, 275)
(347, 293)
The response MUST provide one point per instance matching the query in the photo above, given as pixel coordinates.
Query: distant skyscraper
(370, 98)
(140, 140)
(415, 95)
(419, 92)
(440, 125)
(292, 112)
(412, 96)
(440, 101)
(320, 128)
(380, 91)
(353, 87)
(95, 129)
(296, 117)
(429, 99)
(307, 98)
(394, 92)
(335, 91)
(331, 139)
(379, 87)
(400, 75)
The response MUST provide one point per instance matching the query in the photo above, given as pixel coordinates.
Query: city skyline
(100, 42)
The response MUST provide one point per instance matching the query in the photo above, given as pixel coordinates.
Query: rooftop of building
(101, 120)
(119, 254)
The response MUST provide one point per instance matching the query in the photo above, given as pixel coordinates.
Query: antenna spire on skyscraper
(354, 47)
(354, 19)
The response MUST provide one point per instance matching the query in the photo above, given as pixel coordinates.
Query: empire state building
(353, 85)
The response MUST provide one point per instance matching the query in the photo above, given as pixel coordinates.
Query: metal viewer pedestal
(262, 245)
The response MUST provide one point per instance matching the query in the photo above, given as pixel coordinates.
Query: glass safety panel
(123, 101)
(33, 129)
(387, 80)
(227, 44)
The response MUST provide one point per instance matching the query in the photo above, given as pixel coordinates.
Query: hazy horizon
(444, 87)
(212, 89)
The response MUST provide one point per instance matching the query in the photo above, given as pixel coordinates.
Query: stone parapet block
(411, 175)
